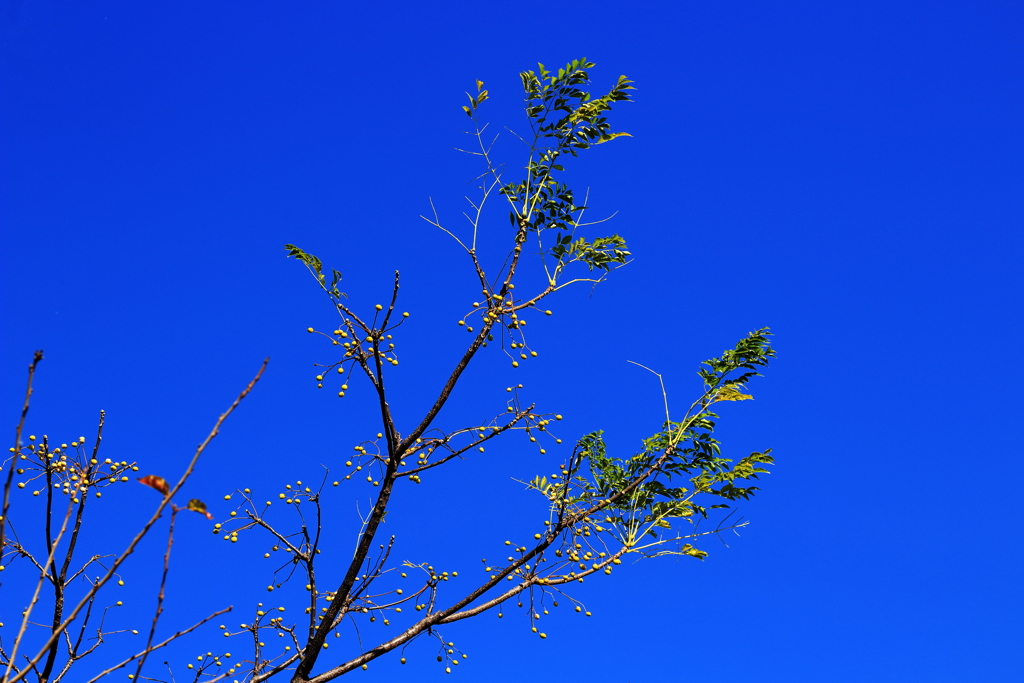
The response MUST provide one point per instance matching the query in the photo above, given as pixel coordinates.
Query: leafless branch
(140, 535)
(38, 356)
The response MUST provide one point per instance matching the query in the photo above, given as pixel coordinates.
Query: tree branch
(141, 534)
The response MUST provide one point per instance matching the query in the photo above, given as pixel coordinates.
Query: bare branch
(142, 533)
(38, 356)
(160, 592)
(26, 615)
(152, 648)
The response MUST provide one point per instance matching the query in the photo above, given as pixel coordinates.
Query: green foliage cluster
(582, 122)
(634, 494)
(564, 120)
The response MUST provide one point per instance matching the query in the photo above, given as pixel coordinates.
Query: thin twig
(661, 379)
(159, 645)
(38, 356)
(437, 223)
(160, 593)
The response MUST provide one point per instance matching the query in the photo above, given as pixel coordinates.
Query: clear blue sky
(849, 173)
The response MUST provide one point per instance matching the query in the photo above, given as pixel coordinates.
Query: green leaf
(312, 262)
(196, 505)
(316, 267)
(732, 394)
(611, 136)
(693, 552)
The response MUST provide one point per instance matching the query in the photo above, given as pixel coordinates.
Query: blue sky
(849, 174)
